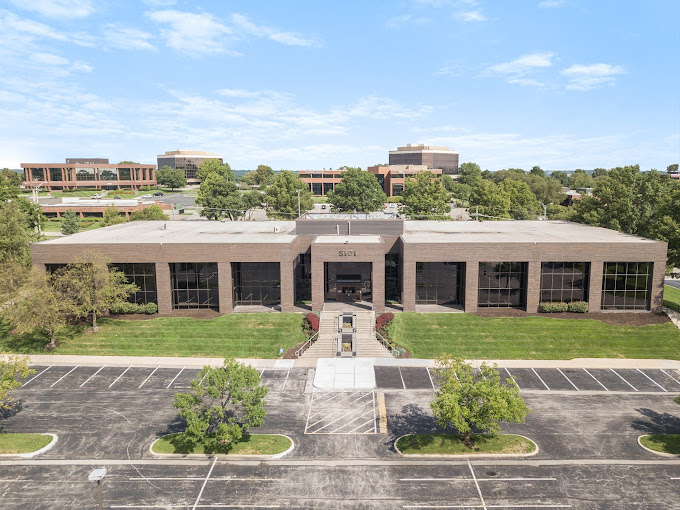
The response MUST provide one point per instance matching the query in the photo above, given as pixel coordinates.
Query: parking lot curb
(468, 455)
(30, 455)
(662, 454)
(222, 456)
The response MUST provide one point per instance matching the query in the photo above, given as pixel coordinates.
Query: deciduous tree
(12, 368)
(171, 177)
(210, 166)
(222, 405)
(281, 198)
(359, 191)
(490, 200)
(91, 287)
(15, 234)
(469, 400)
(220, 198)
(424, 197)
(251, 201)
(523, 203)
(561, 176)
(152, 213)
(111, 216)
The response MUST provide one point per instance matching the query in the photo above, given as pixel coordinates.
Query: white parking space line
(598, 382)
(261, 373)
(144, 382)
(284, 382)
(669, 375)
(486, 506)
(121, 375)
(198, 498)
(430, 376)
(55, 382)
(623, 379)
(340, 418)
(664, 389)
(100, 369)
(539, 378)
(175, 378)
(565, 376)
(203, 378)
(513, 378)
(479, 491)
(402, 378)
(41, 373)
(375, 416)
(462, 479)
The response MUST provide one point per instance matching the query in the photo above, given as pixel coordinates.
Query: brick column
(287, 286)
(163, 288)
(533, 286)
(317, 284)
(595, 286)
(225, 287)
(471, 285)
(378, 284)
(656, 288)
(408, 286)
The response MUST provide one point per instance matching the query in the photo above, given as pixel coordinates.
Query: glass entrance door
(348, 282)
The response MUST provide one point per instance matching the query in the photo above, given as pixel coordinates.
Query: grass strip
(662, 443)
(246, 335)
(469, 336)
(671, 297)
(452, 444)
(252, 444)
(22, 443)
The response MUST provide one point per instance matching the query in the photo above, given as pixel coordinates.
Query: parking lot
(546, 379)
(116, 378)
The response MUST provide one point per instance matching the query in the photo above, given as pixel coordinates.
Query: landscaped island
(251, 444)
(11, 444)
(454, 444)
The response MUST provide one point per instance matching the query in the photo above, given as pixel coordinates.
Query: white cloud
(127, 38)
(397, 22)
(471, 16)
(548, 4)
(287, 38)
(453, 70)
(49, 59)
(57, 8)
(588, 77)
(17, 32)
(58, 64)
(524, 64)
(192, 33)
(526, 82)
(238, 93)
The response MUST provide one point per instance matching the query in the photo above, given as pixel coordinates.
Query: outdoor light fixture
(97, 476)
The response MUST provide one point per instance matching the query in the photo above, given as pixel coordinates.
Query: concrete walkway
(148, 361)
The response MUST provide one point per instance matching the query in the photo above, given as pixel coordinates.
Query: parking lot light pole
(97, 476)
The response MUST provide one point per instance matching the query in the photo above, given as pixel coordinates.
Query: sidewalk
(179, 362)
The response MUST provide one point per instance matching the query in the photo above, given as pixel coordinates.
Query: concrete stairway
(367, 345)
(325, 345)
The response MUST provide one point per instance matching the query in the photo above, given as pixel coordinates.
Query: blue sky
(562, 84)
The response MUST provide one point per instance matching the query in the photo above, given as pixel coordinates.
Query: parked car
(158, 194)
(116, 197)
(323, 206)
(147, 196)
(96, 197)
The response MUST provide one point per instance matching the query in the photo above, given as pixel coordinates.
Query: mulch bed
(613, 318)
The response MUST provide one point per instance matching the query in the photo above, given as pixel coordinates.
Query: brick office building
(373, 259)
(88, 173)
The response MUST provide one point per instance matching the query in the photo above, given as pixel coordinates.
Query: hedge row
(129, 308)
(558, 306)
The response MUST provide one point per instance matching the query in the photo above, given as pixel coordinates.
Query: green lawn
(671, 297)
(23, 443)
(252, 444)
(663, 443)
(469, 336)
(54, 224)
(247, 335)
(452, 444)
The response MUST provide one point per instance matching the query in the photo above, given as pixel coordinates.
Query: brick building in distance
(427, 155)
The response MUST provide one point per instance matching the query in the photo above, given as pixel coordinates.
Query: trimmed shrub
(129, 308)
(313, 320)
(577, 307)
(383, 320)
(150, 308)
(552, 307)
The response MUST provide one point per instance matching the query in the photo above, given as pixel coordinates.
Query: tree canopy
(358, 191)
(424, 197)
(15, 234)
(111, 216)
(469, 400)
(219, 197)
(281, 198)
(12, 370)
(151, 213)
(223, 403)
(171, 177)
(71, 222)
(213, 165)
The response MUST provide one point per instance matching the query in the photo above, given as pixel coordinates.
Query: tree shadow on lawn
(32, 343)
(656, 423)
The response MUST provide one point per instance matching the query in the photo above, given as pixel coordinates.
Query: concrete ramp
(344, 374)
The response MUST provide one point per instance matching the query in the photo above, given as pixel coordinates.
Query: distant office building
(392, 177)
(320, 182)
(430, 156)
(88, 175)
(189, 161)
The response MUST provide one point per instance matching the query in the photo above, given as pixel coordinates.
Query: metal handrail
(306, 345)
(385, 343)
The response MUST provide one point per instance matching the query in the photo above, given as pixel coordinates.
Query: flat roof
(512, 232)
(361, 239)
(181, 232)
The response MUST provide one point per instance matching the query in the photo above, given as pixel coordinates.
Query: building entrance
(348, 282)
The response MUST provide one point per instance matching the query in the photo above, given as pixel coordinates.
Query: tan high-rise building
(428, 155)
